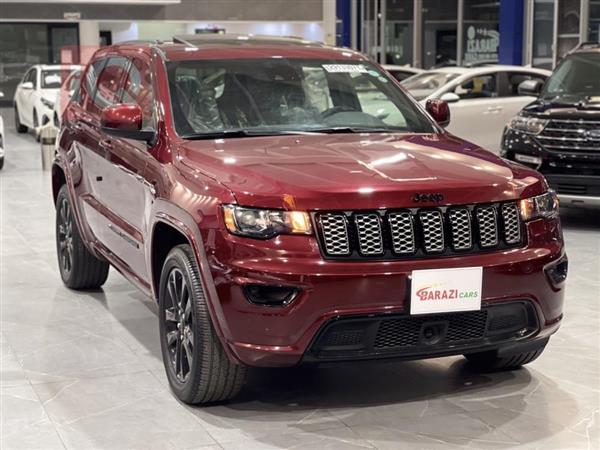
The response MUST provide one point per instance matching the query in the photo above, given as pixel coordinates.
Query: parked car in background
(401, 73)
(35, 95)
(278, 221)
(482, 100)
(559, 133)
(64, 94)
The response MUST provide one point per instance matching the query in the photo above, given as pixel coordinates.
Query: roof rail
(195, 40)
(140, 42)
(588, 44)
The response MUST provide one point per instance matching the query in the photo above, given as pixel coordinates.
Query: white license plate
(445, 290)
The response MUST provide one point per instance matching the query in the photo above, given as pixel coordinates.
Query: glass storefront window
(399, 32)
(482, 38)
(569, 13)
(594, 31)
(543, 31)
(23, 45)
(439, 32)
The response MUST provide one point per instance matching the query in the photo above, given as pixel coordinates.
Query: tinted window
(288, 95)
(577, 75)
(516, 78)
(138, 89)
(88, 85)
(52, 79)
(483, 86)
(109, 83)
(424, 84)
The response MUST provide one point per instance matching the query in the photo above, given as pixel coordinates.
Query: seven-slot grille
(389, 234)
(572, 135)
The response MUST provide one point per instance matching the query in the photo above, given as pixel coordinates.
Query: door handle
(106, 144)
(494, 109)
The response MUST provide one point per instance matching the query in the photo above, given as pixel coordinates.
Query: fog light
(270, 295)
(557, 272)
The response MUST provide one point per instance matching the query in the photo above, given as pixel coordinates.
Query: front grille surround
(391, 234)
(569, 135)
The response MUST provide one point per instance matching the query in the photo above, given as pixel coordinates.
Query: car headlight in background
(265, 223)
(542, 206)
(529, 125)
(48, 103)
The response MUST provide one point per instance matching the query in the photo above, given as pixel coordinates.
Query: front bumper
(332, 292)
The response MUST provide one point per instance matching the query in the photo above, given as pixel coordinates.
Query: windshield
(52, 79)
(287, 96)
(577, 74)
(424, 84)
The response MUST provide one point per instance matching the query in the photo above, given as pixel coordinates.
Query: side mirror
(450, 97)
(125, 121)
(439, 110)
(530, 87)
(27, 85)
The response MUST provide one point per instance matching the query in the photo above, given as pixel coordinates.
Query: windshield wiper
(340, 130)
(223, 134)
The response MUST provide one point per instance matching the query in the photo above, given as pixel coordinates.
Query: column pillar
(511, 31)
(89, 39)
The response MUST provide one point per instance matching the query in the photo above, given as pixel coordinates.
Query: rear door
(128, 194)
(477, 116)
(26, 98)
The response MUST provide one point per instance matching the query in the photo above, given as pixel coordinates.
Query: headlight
(542, 206)
(48, 103)
(529, 125)
(265, 223)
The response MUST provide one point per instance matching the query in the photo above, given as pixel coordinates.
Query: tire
(1, 163)
(18, 125)
(79, 269)
(489, 361)
(186, 331)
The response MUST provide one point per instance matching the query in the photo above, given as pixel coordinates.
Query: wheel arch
(165, 236)
(58, 179)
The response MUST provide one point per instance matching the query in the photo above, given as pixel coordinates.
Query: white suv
(36, 94)
(481, 99)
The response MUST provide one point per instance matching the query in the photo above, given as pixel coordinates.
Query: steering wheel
(336, 109)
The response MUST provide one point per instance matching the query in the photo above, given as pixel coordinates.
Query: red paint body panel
(130, 188)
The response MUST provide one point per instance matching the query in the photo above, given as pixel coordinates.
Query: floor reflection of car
(1, 137)
(482, 100)
(36, 94)
(64, 94)
(401, 73)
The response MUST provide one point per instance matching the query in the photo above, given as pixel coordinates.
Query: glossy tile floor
(83, 370)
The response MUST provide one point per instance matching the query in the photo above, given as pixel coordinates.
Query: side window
(109, 82)
(138, 89)
(34, 78)
(88, 84)
(483, 86)
(516, 78)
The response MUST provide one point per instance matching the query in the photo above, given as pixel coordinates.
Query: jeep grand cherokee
(286, 202)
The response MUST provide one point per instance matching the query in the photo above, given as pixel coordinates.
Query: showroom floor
(83, 370)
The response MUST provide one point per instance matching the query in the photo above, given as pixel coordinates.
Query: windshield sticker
(345, 68)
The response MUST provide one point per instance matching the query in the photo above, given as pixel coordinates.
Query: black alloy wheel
(65, 237)
(179, 325)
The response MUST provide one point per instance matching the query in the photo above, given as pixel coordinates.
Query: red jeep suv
(286, 202)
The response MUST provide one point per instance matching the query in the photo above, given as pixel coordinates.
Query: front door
(477, 116)
(128, 194)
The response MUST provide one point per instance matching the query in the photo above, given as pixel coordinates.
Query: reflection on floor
(83, 370)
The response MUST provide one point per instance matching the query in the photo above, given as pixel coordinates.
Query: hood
(567, 106)
(357, 171)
